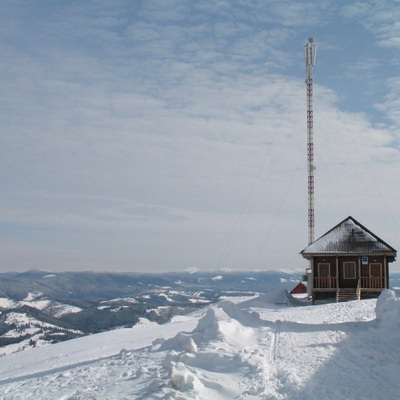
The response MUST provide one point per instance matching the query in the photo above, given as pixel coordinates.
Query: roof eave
(341, 254)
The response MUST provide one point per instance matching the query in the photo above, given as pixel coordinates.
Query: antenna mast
(310, 50)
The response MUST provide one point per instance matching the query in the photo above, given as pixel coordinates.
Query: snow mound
(217, 324)
(182, 378)
(388, 309)
(219, 344)
(182, 341)
(235, 312)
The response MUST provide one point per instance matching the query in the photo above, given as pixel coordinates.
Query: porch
(366, 287)
(372, 282)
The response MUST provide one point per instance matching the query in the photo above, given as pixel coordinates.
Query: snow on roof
(349, 236)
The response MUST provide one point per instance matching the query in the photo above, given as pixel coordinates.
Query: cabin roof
(349, 236)
(301, 287)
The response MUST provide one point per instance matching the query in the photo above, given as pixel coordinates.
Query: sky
(169, 135)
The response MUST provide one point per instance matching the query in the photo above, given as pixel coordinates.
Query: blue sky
(166, 135)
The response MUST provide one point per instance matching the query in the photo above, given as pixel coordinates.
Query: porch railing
(325, 283)
(372, 282)
(363, 283)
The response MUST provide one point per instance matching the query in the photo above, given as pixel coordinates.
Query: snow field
(254, 349)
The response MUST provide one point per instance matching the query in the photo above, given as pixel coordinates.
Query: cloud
(380, 17)
(390, 105)
(147, 134)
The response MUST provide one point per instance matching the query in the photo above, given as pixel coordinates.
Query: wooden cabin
(348, 262)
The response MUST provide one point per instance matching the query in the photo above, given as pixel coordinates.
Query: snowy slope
(34, 300)
(247, 349)
(26, 332)
(22, 328)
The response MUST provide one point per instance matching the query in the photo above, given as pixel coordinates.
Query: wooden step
(346, 294)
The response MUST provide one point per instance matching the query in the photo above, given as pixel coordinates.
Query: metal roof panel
(349, 236)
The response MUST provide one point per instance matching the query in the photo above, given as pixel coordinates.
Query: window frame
(347, 264)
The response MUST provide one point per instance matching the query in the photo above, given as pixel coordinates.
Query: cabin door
(376, 275)
(348, 274)
(324, 270)
(324, 279)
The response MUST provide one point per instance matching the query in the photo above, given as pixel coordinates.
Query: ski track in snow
(249, 350)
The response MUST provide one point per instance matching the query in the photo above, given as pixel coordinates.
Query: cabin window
(376, 270)
(349, 270)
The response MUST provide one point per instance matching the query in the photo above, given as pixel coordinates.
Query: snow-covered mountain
(39, 308)
(87, 286)
(20, 331)
(239, 348)
(33, 321)
(40, 302)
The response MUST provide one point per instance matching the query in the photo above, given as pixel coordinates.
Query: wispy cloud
(163, 126)
(380, 17)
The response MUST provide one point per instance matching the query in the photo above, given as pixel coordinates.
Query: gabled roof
(299, 288)
(349, 236)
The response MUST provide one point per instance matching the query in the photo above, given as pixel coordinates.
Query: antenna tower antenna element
(310, 51)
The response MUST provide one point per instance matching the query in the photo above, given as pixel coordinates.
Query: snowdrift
(256, 349)
(388, 309)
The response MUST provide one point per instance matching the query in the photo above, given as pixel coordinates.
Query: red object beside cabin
(299, 289)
